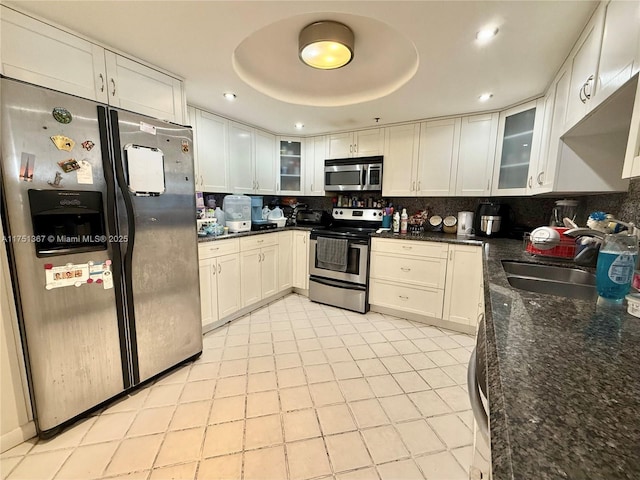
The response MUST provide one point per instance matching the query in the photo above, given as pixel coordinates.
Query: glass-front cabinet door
(519, 137)
(290, 168)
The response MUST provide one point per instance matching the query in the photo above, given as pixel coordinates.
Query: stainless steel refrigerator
(99, 216)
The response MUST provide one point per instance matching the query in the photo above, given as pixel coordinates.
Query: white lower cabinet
(285, 260)
(258, 268)
(301, 260)
(463, 291)
(430, 281)
(219, 264)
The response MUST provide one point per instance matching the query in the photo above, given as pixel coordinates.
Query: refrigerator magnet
(62, 115)
(27, 162)
(85, 173)
(69, 165)
(57, 181)
(88, 145)
(63, 143)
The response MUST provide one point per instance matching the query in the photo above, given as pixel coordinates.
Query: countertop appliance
(99, 203)
(492, 219)
(353, 174)
(339, 258)
(237, 213)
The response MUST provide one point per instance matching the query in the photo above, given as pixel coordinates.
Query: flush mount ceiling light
(326, 45)
(486, 34)
(299, 125)
(485, 96)
(229, 96)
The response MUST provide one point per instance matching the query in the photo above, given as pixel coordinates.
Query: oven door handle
(332, 283)
(479, 413)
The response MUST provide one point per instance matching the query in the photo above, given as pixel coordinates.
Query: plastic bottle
(219, 214)
(396, 222)
(404, 221)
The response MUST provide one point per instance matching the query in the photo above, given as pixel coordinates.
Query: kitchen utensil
(569, 223)
(545, 238)
(563, 209)
(450, 224)
(465, 223)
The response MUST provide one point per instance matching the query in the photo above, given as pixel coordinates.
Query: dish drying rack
(566, 249)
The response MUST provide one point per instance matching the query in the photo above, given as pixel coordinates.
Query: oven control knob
(341, 212)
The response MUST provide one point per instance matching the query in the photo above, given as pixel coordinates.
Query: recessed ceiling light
(485, 96)
(299, 126)
(326, 45)
(486, 34)
(229, 96)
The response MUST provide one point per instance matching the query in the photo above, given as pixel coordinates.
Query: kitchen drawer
(422, 271)
(258, 241)
(420, 300)
(410, 247)
(215, 248)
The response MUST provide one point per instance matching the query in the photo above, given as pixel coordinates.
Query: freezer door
(71, 334)
(161, 255)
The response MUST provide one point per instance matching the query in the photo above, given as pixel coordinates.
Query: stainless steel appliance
(313, 217)
(98, 206)
(343, 282)
(492, 219)
(353, 174)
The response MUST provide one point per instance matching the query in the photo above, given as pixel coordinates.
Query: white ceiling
(197, 40)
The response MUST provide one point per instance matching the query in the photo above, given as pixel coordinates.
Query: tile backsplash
(529, 211)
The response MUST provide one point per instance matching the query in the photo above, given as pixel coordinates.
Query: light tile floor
(296, 390)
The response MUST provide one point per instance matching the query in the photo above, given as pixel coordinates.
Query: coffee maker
(491, 219)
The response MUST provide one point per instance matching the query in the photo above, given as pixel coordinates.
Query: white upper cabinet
(141, 89)
(620, 52)
(476, 155)
(315, 155)
(291, 162)
(584, 64)
(241, 159)
(518, 147)
(363, 143)
(46, 56)
(400, 160)
(210, 134)
(631, 166)
(265, 168)
(438, 157)
(50, 57)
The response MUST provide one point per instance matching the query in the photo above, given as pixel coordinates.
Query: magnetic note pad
(145, 170)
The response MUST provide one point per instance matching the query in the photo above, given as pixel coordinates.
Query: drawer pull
(405, 269)
(403, 297)
(213, 249)
(406, 247)
(260, 241)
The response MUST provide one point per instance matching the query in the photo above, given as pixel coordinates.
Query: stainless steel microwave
(353, 174)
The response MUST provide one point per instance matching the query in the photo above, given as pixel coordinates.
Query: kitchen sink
(548, 279)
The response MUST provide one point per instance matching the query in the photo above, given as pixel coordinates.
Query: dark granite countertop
(563, 379)
(432, 237)
(212, 238)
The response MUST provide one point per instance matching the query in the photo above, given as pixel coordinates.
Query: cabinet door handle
(350, 148)
(219, 268)
(488, 185)
(539, 178)
(355, 148)
(451, 255)
(213, 270)
(588, 84)
(419, 184)
(403, 297)
(101, 82)
(413, 186)
(583, 99)
(405, 269)
(531, 182)
(113, 92)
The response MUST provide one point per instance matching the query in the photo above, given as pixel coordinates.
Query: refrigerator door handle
(131, 232)
(116, 253)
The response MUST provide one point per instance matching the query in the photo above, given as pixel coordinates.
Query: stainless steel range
(339, 259)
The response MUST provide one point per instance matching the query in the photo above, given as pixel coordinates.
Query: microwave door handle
(364, 176)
